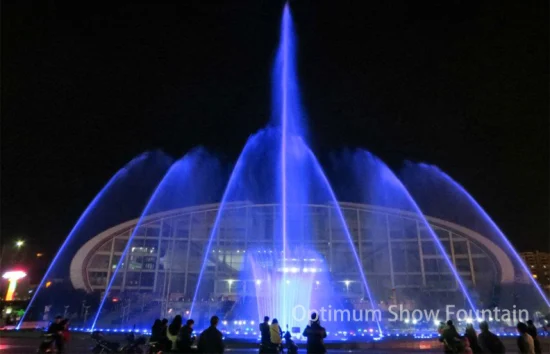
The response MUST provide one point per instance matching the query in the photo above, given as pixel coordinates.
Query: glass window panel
(460, 247)
(429, 248)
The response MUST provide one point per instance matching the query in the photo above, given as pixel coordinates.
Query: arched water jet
(451, 194)
(385, 189)
(119, 181)
(349, 238)
(183, 185)
(232, 184)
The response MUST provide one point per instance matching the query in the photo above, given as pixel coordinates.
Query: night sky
(462, 85)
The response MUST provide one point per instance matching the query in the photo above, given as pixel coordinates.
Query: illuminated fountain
(273, 234)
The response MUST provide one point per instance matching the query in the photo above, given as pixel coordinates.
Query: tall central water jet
(300, 182)
(284, 62)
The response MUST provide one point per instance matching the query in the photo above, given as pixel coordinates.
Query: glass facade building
(397, 250)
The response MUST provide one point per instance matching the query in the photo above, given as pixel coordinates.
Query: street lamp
(12, 277)
(19, 243)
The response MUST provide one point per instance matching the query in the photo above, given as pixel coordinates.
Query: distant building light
(38, 255)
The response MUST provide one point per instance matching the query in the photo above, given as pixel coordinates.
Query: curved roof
(78, 272)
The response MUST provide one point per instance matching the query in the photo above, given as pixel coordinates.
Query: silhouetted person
(488, 341)
(452, 329)
(56, 329)
(526, 345)
(211, 340)
(264, 331)
(451, 338)
(55, 326)
(173, 331)
(156, 331)
(186, 337)
(532, 331)
(471, 335)
(292, 348)
(315, 335)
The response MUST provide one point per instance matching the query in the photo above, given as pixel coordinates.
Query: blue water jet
(334, 201)
(459, 189)
(182, 182)
(98, 199)
(388, 177)
(250, 146)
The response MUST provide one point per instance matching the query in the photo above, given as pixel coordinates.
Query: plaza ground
(23, 343)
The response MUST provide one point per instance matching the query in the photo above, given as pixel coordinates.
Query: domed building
(400, 258)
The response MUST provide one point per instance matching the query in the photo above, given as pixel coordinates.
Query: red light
(115, 299)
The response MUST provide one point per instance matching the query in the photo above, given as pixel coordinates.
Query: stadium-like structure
(399, 256)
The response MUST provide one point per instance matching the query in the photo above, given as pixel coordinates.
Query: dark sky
(459, 84)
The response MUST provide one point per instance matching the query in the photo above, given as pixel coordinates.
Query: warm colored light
(13, 276)
(11, 290)
(535, 276)
(38, 255)
(48, 283)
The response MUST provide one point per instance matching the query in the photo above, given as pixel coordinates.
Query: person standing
(56, 330)
(488, 341)
(471, 335)
(264, 331)
(532, 331)
(211, 339)
(275, 332)
(315, 335)
(186, 337)
(451, 338)
(526, 345)
(173, 331)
